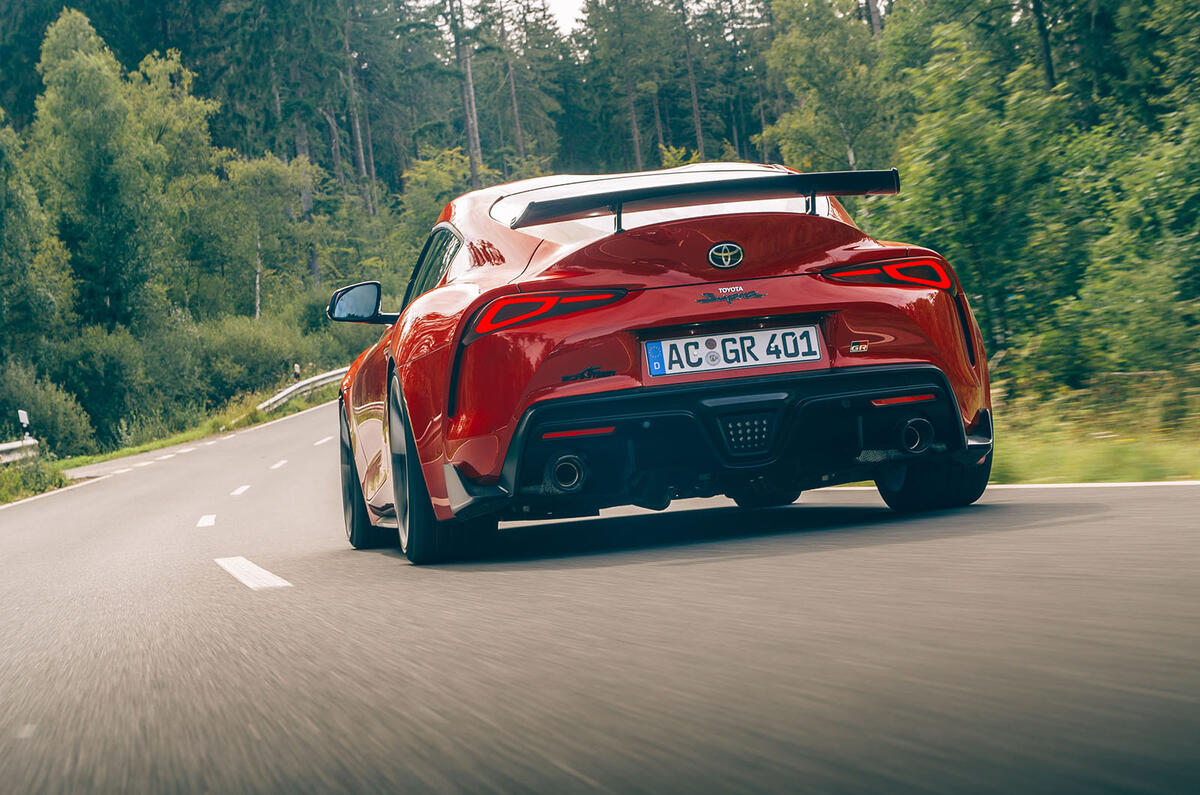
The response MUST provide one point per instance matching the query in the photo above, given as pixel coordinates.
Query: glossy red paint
(465, 401)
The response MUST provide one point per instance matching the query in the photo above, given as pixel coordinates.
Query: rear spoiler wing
(773, 186)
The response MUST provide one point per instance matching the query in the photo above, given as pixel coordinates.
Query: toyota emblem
(726, 255)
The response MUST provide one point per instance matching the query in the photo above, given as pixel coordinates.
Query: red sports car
(571, 343)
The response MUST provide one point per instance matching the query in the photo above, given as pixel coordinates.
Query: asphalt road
(1043, 640)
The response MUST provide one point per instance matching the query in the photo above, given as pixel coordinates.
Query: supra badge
(726, 255)
(728, 295)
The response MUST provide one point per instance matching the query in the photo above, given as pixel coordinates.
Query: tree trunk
(360, 159)
(658, 125)
(370, 156)
(512, 86)
(275, 93)
(335, 145)
(512, 92)
(762, 118)
(306, 194)
(634, 133)
(306, 188)
(1039, 18)
(257, 273)
(691, 73)
(462, 58)
(633, 125)
(733, 126)
(874, 17)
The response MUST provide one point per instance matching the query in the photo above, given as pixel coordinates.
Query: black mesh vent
(749, 433)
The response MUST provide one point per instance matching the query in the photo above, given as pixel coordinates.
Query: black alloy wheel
(423, 538)
(359, 531)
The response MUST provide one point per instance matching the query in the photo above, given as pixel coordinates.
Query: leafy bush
(240, 354)
(106, 371)
(56, 418)
(28, 477)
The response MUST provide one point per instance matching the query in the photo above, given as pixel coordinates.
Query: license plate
(700, 354)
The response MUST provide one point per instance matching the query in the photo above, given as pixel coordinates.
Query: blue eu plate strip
(654, 356)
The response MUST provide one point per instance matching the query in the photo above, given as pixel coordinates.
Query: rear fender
(426, 355)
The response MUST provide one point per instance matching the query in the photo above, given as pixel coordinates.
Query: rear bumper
(648, 445)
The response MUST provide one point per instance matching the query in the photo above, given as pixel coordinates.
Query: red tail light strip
(923, 272)
(895, 401)
(488, 322)
(579, 432)
(514, 310)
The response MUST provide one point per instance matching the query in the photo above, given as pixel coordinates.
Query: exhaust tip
(917, 435)
(567, 473)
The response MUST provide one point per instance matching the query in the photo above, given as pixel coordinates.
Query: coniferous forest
(182, 183)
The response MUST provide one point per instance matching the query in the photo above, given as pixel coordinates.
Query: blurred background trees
(181, 183)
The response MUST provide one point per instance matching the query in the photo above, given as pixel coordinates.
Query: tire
(359, 531)
(765, 499)
(929, 487)
(423, 538)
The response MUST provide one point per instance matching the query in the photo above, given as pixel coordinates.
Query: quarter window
(443, 244)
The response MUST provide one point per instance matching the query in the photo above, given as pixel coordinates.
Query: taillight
(521, 308)
(909, 272)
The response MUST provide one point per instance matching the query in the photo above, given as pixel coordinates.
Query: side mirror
(359, 303)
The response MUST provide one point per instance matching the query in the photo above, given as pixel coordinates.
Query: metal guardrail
(15, 451)
(302, 387)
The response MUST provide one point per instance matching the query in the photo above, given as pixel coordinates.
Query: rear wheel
(359, 530)
(926, 487)
(423, 538)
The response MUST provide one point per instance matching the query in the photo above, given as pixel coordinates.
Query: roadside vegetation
(1057, 441)
(181, 186)
(33, 476)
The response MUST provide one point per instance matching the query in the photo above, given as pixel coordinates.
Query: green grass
(1074, 457)
(240, 413)
(25, 479)
(1080, 438)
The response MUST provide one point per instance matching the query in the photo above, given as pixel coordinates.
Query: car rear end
(644, 367)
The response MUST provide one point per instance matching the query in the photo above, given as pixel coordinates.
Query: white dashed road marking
(122, 471)
(279, 463)
(207, 444)
(207, 520)
(165, 457)
(239, 491)
(186, 450)
(322, 441)
(230, 436)
(144, 464)
(250, 575)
